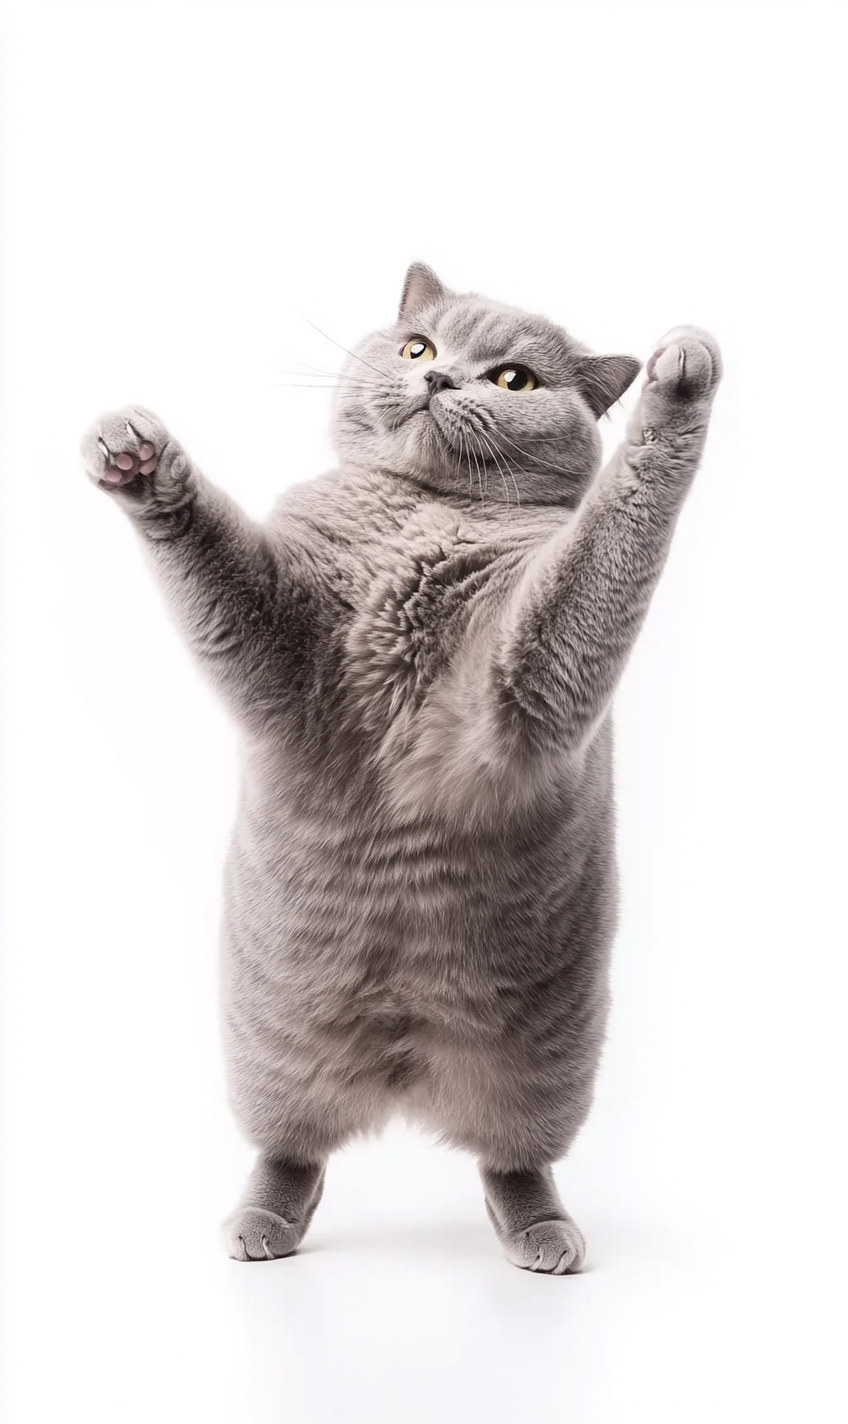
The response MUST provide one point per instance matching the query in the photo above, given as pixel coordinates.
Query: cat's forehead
(486, 331)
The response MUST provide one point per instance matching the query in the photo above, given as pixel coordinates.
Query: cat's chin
(424, 419)
(424, 439)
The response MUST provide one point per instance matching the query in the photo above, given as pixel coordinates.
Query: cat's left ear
(420, 288)
(602, 379)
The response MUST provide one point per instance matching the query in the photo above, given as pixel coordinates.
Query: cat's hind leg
(516, 1120)
(531, 1222)
(276, 1208)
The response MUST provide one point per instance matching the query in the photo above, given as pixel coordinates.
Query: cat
(420, 650)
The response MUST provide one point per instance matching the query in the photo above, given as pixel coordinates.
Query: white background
(180, 181)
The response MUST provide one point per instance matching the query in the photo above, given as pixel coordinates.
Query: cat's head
(466, 394)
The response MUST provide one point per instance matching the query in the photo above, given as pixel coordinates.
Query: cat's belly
(362, 951)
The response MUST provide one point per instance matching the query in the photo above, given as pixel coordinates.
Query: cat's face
(467, 395)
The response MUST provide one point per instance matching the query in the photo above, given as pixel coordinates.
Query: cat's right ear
(421, 287)
(604, 379)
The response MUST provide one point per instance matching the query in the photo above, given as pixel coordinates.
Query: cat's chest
(412, 600)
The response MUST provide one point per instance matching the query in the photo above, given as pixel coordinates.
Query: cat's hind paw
(253, 1234)
(553, 1248)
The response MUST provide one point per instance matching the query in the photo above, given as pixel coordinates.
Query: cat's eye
(419, 350)
(514, 378)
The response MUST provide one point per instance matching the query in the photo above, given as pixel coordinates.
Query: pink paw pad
(123, 467)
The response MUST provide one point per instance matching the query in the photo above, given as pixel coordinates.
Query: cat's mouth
(437, 426)
(456, 433)
(422, 409)
(430, 437)
(427, 420)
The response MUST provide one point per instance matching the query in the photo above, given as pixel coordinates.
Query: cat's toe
(123, 446)
(253, 1234)
(687, 363)
(553, 1248)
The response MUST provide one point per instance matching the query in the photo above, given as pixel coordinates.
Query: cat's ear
(602, 379)
(420, 288)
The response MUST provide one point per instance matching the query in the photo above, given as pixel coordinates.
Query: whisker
(497, 467)
(355, 379)
(470, 474)
(479, 478)
(493, 458)
(385, 374)
(511, 473)
(321, 366)
(506, 467)
(306, 371)
(558, 469)
(343, 385)
(309, 386)
(465, 453)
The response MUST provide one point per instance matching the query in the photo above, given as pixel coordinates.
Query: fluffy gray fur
(420, 649)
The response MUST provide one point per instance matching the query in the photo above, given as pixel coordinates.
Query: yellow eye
(419, 350)
(514, 378)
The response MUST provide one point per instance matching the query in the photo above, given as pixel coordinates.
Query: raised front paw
(129, 451)
(686, 364)
(123, 446)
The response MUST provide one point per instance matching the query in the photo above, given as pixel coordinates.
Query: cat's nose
(440, 381)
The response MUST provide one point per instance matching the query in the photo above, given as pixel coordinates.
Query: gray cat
(420, 650)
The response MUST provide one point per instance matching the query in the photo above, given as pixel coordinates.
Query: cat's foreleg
(576, 615)
(220, 576)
